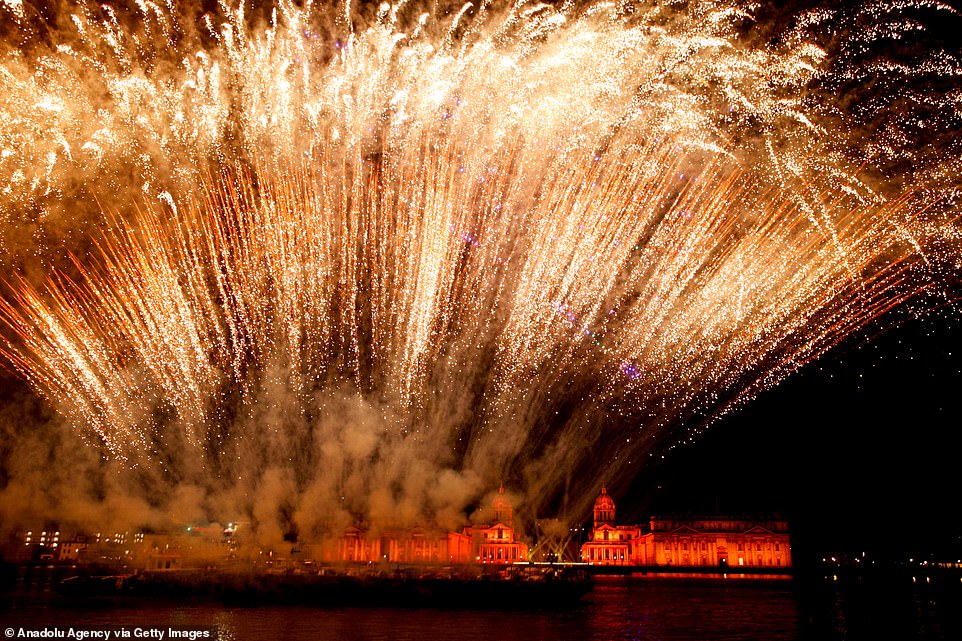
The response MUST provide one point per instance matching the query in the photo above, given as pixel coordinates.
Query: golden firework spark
(509, 229)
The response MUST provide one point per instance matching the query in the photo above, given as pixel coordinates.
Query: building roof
(604, 501)
(500, 503)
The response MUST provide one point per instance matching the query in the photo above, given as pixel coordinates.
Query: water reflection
(619, 608)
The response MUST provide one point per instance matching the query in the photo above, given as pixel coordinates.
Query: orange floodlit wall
(690, 542)
(492, 543)
(414, 546)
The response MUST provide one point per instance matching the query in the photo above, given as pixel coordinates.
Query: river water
(619, 608)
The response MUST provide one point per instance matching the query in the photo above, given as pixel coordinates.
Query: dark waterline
(619, 608)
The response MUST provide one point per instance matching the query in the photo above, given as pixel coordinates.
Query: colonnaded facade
(663, 542)
(494, 543)
(686, 542)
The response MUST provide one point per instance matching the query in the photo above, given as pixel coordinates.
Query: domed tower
(501, 508)
(604, 509)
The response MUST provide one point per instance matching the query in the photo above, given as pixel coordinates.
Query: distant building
(611, 544)
(686, 542)
(161, 552)
(662, 542)
(412, 546)
(74, 550)
(496, 542)
(492, 543)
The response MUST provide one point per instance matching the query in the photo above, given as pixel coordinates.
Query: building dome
(604, 509)
(604, 501)
(501, 508)
(500, 501)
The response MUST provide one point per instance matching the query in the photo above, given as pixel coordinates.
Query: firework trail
(325, 265)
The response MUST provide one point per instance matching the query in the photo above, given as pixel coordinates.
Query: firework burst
(377, 263)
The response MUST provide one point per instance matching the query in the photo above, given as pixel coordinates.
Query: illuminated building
(162, 552)
(492, 543)
(413, 546)
(665, 542)
(73, 550)
(610, 544)
(495, 543)
(686, 542)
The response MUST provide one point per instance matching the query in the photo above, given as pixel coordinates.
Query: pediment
(758, 529)
(685, 529)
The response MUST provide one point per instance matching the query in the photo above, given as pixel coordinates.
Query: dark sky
(857, 450)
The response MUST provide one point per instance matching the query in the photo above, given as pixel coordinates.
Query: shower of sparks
(537, 239)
